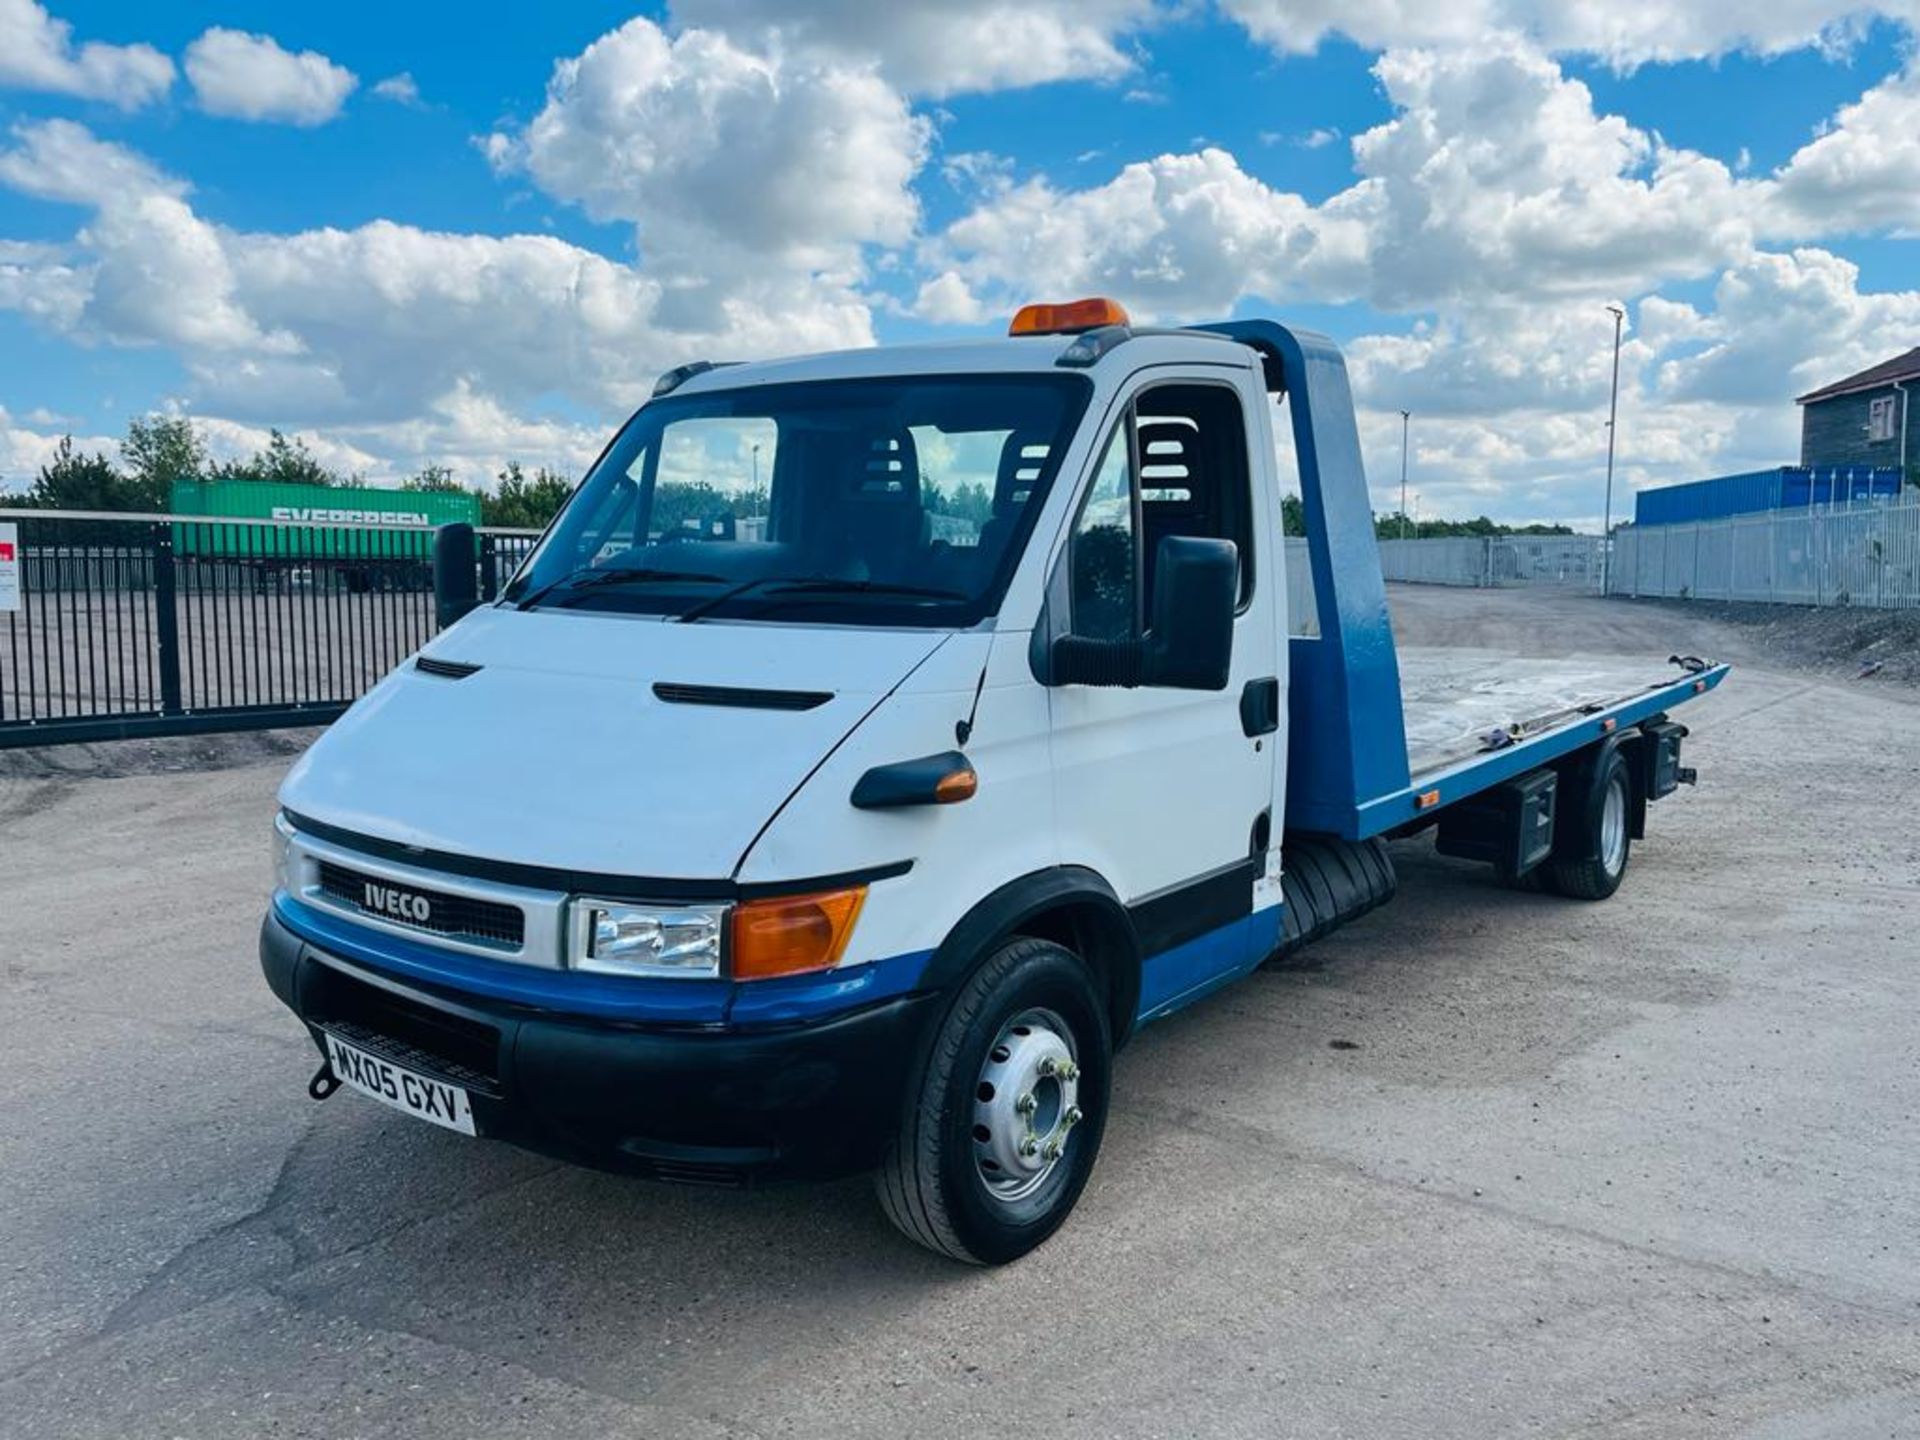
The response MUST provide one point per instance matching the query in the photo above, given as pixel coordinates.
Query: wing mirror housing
(1189, 640)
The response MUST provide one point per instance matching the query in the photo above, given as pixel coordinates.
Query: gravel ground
(1501, 1166)
(1833, 640)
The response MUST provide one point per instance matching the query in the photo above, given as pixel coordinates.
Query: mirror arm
(1081, 661)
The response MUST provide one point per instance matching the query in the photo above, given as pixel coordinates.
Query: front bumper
(715, 1106)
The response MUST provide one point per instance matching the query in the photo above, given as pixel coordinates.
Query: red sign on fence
(9, 566)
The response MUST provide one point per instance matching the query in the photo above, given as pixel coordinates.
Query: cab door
(1169, 794)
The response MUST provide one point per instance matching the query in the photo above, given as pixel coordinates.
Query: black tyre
(1604, 839)
(1324, 884)
(1002, 1124)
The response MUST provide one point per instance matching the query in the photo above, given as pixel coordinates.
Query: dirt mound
(1872, 645)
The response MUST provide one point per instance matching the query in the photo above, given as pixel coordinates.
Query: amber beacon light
(1069, 318)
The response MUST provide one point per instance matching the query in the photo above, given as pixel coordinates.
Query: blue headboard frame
(1347, 740)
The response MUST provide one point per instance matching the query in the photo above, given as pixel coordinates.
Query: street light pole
(1613, 417)
(1405, 416)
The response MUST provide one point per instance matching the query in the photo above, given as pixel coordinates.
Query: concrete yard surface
(1500, 1165)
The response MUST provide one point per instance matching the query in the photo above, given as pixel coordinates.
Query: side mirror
(456, 582)
(1189, 640)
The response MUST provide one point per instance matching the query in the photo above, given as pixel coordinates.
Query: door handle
(1260, 706)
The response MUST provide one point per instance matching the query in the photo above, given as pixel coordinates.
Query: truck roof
(993, 355)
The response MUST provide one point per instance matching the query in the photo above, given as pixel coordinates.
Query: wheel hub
(1613, 829)
(1026, 1104)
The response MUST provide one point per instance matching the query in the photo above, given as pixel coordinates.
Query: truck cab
(875, 741)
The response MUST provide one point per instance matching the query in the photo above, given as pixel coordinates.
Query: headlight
(282, 859)
(615, 938)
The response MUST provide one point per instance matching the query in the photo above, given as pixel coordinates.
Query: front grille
(458, 917)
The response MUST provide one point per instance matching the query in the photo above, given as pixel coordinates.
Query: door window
(1102, 553)
(1175, 465)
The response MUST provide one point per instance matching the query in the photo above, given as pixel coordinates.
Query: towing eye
(324, 1081)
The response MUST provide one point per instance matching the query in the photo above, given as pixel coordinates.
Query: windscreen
(896, 501)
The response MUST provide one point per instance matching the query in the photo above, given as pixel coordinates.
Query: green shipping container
(350, 509)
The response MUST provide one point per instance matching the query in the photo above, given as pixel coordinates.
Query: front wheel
(1000, 1132)
(1606, 842)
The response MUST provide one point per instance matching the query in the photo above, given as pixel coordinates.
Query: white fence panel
(1713, 562)
(1866, 556)
(1570, 560)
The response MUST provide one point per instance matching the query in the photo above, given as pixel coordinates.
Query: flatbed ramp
(1456, 703)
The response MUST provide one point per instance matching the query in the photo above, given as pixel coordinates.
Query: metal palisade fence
(121, 625)
(1868, 555)
(1569, 561)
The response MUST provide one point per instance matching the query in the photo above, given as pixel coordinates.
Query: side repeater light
(943, 779)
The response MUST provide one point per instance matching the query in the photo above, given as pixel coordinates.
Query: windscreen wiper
(867, 587)
(589, 578)
(814, 585)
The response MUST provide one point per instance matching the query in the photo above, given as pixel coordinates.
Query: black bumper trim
(724, 1107)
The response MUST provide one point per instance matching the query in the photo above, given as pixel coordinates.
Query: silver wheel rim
(1026, 1103)
(1613, 828)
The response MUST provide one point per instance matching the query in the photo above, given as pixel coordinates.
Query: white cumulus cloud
(945, 47)
(1623, 32)
(249, 77)
(1179, 236)
(726, 159)
(376, 324)
(402, 89)
(37, 53)
(1863, 171)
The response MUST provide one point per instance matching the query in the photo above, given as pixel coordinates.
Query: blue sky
(244, 213)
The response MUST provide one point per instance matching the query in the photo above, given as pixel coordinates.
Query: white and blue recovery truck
(877, 740)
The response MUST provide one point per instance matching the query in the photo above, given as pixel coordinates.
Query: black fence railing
(151, 625)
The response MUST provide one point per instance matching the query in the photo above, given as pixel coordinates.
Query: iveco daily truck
(858, 832)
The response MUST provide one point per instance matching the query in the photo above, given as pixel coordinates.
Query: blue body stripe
(608, 997)
(1170, 980)
(1176, 978)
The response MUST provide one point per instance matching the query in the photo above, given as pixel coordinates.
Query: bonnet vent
(740, 698)
(445, 669)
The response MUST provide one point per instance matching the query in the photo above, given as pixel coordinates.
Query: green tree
(679, 505)
(968, 500)
(518, 502)
(436, 478)
(1393, 526)
(159, 450)
(74, 480)
(1293, 515)
(284, 461)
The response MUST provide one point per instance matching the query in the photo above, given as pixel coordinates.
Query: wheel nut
(1029, 1147)
(1049, 1067)
(1072, 1117)
(1052, 1152)
(1068, 1070)
(1026, 1104)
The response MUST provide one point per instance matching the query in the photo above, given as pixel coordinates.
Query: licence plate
(395, 1085)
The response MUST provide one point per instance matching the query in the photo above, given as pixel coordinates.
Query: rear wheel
(1001, 1130)
(1605, 842)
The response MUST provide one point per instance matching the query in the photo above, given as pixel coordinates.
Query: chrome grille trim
(544, 911)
